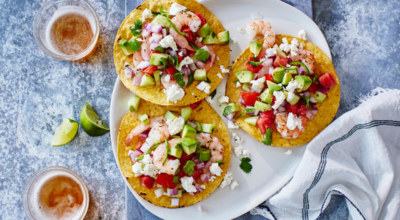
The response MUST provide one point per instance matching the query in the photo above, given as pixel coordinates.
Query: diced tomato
(302, 110)
(249, 97)
(327, 80)
(252, 68)
(149, 70)
(203, 20)
(147, 181)
(180, 58)
(196, 173)
(154, 51)
(292, 108)
(267, 114)
(185, 158)
(266, 120)
(282, 60)
(269, 77)
(313, 88)
(171, 70)
(191, 37)
(194, 105)
(166, 180)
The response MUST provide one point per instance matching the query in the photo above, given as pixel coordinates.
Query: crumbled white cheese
(150, 170)
(232, 125)
(270, 52)
(288, 152)
(145, 167)
(174, 202)
(246, 153)
(195, 25)
(238, 84)
(223, 70)
(293, 121)
(137, 169)
(147, 159)
(203, 186)
(279, 98)
(167, 78)
(215, 169)
(294, 47)
(234, 185)
(238, 151)
(147, 14)
(223, 99)
(285, 46)
(154, 137)
(128, 73)
(186, 61)
(168, 41)
(302, 34)
(203, 86)
(175, 93)
(187, 184)
(236, 138)
(220, 76)
(174, 165)
(175, 8)
(227, 180)
(155, 38)
(233, 40)
(258, 85)
(293, 85)
(175, 126)
(290, 96)
(143, 65)
(159, 192)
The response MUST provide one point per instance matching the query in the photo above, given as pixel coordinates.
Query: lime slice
(65, 133)
(91, 123)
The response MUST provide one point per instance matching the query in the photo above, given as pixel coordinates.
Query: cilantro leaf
(137, 29)
(245, 165)
(307, 100)
(227, 110)
(179, 79)
(201, 55)
(190, 81)
(175, 61)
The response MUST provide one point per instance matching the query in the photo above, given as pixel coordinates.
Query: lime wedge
(91, 123)
(65, 133)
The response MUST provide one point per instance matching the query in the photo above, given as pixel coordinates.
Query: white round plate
(272, 167)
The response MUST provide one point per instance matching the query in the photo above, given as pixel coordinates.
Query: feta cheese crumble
(279, 98)
(227, 180)
(232, 125)
(288, 152)
(175, 126)
(145, 167)
(294, 47)
(147, 14)
(203, 86)
(187, 184)
(293, 121)
(236, 138)
(175, 8)
(220, 76)
(186, 61)
(238, 151)
(302, 34)
(168, 41)
(195, 25)
(223, 70)
(223, 99)
(175, 93)
(285, 46)
(234, 185)
(270, 52)
(238, 84)
(258, 85)
(215, 169)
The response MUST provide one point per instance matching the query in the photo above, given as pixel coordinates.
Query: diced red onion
(164, 32)
(195, 159)
(193, 67)
(186, 70)
(230, 116)
(134, 154)
(306, 94)
(172, 53)
(159, 192)
(301, 70)
(200, 165)
(199, 64)
(156, 28)
(254, 113)
(322, 89)
(145, 33)
(311, 113)
(204, 177)
(147, 27)
(241, 101)
(198, 187)
(182, 52)
(173, 192)
(281, 109)
(137, 79)
(268, 62)
(128, 72)
(144, 135)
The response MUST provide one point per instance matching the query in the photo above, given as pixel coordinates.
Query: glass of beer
(55, 193)
(67, 29)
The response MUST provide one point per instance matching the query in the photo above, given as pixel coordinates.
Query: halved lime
(65, 133)
(91, 123)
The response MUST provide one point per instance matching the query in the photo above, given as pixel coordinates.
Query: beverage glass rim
(45, 170)
(74, 57)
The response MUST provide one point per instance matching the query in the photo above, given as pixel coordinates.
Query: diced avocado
(294, 100)
(319, 96)
(287, 78)
(178, 195)
(129, 46)
(230, 108)
(188, 131)
(278, 74)
(246, 87)
(157, 76)
(266, 96)
(176, 151)
(210, 39)
(158, 58)
(304, 81)
(186, 112)
(255, 48)
(205, 30)
(204, 155)
(244, 76)
(134, 103)
(200, 75)
(291, 71)
(170, 115)
(223, 37)
(279, 51)
(147, 80)
(162, 20)
(144, 118)
(198, 126)
(189, 145)
(208, 128)
(262, 106)
(273, 86)
(251, 120)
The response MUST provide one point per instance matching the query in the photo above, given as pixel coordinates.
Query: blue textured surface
(37, 92)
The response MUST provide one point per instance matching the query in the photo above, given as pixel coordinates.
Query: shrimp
(259, 29)
(158, 127)
(212, 142)
(137, 58)
(306, 57)
(187, 18)
(169, 166)
(180, 40)
(281, 120)
(146, 53)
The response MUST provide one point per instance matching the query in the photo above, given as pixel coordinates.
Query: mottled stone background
(37, 92)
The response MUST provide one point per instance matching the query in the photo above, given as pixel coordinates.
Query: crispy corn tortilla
(155, 94)
(204, 114)
(326, 110)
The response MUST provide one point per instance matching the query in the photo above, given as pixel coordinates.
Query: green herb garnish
(179, 78)
(137, 29)
(201, 55)
(307, 100)
(190, 81)
(159, 49)
(267, 137)
(189, 167)
(219, 162)
(176, 29)
(175, 61)
(247, 110)
(245, 165)
(227, 110)
(301, 64)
